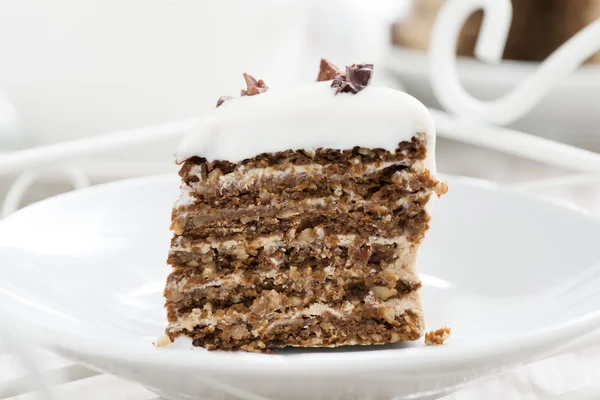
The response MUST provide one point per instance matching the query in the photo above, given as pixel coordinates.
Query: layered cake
(538, 27)
(300, 217)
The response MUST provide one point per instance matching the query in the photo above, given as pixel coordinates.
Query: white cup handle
(490, 45)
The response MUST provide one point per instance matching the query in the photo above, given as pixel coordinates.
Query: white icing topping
(308, 117)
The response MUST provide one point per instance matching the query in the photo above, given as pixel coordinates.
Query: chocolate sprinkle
(254, 87)
(223, 99)
(327, 71)
(356, 78)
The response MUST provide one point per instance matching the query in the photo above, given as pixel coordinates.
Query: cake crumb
(437, 337)
(162, 341)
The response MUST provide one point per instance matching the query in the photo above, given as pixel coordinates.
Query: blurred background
(74, 69)
(84, 68)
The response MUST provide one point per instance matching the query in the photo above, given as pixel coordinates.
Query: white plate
(570, 113)
(83, 274)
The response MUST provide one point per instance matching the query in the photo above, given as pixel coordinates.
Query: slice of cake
(300, 217)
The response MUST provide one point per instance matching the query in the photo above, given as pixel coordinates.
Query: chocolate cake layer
(339, 251)
(270, 253)
(349, 194)
(274, 320)
(326, 331)
(266, 187)
(387, 262)
(196, 169)
(188, 288)
(311, 177)
(331, 222)
(199, 213)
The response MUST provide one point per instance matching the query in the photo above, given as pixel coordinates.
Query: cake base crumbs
(438, 336)
(162, 341)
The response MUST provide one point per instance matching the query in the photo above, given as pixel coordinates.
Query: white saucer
(513, 276)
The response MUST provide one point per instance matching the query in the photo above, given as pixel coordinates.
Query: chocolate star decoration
(356, 78)
(327, 71)
(254, 87)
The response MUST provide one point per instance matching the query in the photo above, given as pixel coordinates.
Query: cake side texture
(311, 246)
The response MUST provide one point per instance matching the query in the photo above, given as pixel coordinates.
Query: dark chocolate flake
(359, 74)
(254, 87)
(356, 78)
(327, 71)
(223, 99)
